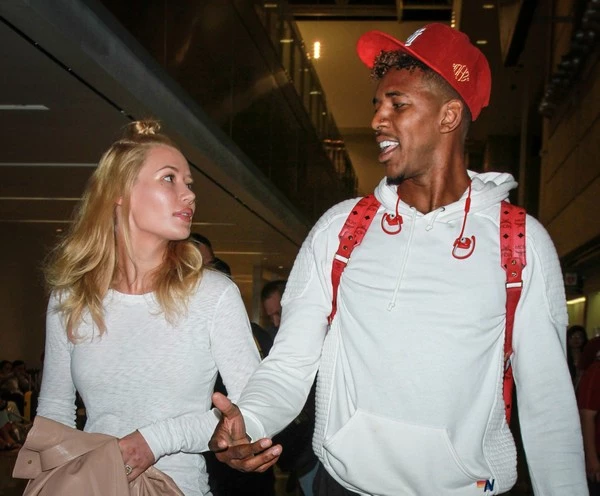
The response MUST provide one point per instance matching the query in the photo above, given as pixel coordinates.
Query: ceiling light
(286, 40)
(576, 300)
(13, 106)
(481, 42)
(488, 6)
(317, 50)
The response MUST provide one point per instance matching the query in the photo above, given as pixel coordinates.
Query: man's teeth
(386, 144)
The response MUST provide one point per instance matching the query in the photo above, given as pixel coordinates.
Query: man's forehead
(403, 83)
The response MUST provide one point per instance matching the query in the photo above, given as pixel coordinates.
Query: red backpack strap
(351, 235)
(512, 250)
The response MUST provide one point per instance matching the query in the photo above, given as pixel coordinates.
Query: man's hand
(137, 455)
(231, 444)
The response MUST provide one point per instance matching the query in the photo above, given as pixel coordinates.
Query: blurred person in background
(208, 256)
(588, 400)
(298, 457)
(576, 340)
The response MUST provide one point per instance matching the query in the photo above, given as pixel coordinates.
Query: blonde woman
(134, 323)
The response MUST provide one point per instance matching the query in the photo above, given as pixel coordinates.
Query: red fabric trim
(513, 260)
(351, 235)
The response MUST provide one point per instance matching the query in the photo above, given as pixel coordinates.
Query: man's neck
(442, 183)
(429, 194)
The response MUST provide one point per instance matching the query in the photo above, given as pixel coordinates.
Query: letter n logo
(489, 485)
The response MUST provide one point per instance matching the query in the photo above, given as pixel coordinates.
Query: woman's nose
(189, 196)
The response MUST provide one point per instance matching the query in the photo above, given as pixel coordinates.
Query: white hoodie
(409, 398)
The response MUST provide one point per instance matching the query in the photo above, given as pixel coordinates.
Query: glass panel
(228, 57)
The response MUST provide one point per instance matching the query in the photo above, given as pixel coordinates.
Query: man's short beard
(395, 181)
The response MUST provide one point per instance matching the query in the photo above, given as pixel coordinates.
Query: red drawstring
(462, 243)
(392, 220)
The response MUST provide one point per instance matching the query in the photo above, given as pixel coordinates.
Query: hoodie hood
(487, 189)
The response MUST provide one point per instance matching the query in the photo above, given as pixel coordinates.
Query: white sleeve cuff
(153, 441)
(254, 428)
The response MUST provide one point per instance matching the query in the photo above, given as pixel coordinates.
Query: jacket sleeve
(278, 390)
(545, 398)
(236, 356)
(57, 394)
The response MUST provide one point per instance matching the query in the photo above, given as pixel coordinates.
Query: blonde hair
(83, 266)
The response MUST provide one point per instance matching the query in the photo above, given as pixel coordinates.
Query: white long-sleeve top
(409, 397)
(145, 373)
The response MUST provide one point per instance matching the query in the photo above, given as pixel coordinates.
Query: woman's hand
(137, 455)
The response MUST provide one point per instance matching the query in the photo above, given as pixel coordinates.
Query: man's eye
(190, 186)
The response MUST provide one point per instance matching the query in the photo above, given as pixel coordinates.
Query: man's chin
(395, 180)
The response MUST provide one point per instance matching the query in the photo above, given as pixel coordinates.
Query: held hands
(232, 446)
(137, 455)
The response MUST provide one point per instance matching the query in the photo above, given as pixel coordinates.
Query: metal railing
(287, 41)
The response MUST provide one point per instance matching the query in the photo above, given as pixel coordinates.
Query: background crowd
(18, 392)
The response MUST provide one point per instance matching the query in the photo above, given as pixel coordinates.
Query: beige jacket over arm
(60, 460)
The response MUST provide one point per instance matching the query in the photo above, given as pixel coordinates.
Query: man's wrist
(254, 429)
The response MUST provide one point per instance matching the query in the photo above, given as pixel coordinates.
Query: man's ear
(119, 201)
(453, 115)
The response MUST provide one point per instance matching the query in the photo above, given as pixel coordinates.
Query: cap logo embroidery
(461, 72)
(414, 36)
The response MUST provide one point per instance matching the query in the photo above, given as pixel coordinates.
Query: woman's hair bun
(147, 127)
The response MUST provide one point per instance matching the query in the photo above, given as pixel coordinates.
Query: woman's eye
(170, 178)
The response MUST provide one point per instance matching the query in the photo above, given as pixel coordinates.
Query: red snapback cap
(446, 51)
